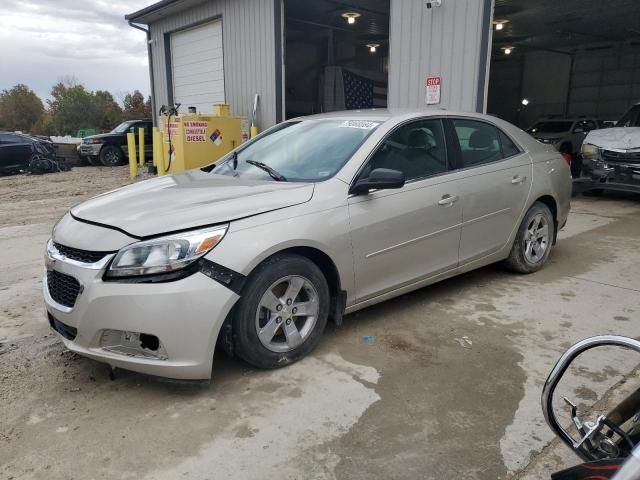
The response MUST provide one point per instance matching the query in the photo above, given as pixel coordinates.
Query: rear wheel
(282, 313)
(111, 156)
(534, 240)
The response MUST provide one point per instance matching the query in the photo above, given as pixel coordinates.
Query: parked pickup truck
(110, 149)
(610, 158)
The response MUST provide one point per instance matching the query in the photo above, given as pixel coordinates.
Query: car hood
(188, 200)
(617, 138)
(103, 135)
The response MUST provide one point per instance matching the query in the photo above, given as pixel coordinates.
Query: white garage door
(197, 67)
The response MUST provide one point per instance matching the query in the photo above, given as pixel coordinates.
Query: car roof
(20, 134)
(385, 114)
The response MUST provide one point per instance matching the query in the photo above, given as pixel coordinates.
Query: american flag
(362, 92)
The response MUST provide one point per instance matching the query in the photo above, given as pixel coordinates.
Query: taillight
(567, 158)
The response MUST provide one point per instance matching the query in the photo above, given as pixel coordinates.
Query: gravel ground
(446, 384)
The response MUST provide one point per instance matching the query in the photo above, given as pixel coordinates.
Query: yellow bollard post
(133, 164)
(154, 142)
(160, 154)
(254, 131)
(141, 151)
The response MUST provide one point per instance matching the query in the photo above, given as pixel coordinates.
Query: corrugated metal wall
(248, 33)
(606, 82)
(450, 41)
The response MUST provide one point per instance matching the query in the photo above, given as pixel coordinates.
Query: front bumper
(620, 176)
(90, 149)
(185, 315)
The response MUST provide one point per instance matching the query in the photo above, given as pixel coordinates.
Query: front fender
(246, 246)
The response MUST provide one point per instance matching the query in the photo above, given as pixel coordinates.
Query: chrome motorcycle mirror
(605, 437)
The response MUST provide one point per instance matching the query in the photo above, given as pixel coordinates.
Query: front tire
(282, 313)
(111, 156)
(94, 161)
(534, 240)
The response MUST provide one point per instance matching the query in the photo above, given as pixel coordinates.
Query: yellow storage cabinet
(195, 140)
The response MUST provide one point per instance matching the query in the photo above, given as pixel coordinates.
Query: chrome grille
(63, 288)
(80, 255)
(628, 157)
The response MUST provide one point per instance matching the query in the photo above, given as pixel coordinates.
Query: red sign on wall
(433, 90)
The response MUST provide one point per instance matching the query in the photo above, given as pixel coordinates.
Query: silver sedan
(315, 218)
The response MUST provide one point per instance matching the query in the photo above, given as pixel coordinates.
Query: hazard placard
(433, 85)
(195, 131)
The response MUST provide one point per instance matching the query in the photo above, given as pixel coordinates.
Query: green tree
(20, 109)
(135, 107)
(72, 109)
(108, 112)
(44, 125)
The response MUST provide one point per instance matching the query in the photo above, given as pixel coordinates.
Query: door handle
(517, 180)
(448, 200)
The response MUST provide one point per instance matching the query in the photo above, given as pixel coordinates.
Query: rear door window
(509, 149)
(479, 142)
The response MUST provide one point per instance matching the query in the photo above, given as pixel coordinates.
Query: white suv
(566, 134)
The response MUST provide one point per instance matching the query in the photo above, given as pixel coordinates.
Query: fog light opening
(133, 344)
(150, 342)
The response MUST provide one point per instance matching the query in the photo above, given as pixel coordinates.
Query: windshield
(122, 127)
(631, 118)
(550, 127)
(307, 150)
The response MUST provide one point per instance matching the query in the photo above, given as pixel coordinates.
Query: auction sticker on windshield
(361, 124)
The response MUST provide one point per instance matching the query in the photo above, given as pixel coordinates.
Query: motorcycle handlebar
(558, 371)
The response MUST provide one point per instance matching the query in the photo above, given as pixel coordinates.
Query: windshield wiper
(273, 173)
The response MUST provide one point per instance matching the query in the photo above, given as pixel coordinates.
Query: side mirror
(379, 179)
(578, 130)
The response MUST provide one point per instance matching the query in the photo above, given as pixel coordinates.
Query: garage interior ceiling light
(372, 47)
(351, 17)
(499, 24)
(507, 50)
(525, 101)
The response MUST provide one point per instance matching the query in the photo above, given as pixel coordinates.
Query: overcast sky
(42, 41)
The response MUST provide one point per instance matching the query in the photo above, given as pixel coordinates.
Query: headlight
(165, 254)
(590, 152)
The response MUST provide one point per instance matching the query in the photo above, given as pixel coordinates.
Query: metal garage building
(306, 57)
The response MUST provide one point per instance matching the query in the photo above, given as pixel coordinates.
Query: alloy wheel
(287, 313)
(111, 157)
(536, 239)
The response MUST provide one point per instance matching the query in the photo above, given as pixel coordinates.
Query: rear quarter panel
(551, 173)
(552, 176)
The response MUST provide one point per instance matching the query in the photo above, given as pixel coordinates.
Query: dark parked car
(21, 153)
(110, 149)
